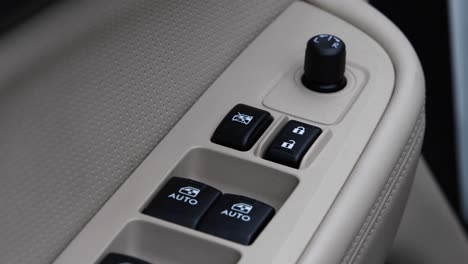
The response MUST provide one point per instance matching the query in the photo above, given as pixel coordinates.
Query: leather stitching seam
(394, 190)
(389, 189)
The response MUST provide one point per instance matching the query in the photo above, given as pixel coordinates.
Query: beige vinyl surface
(429, 232)
(301, 197)
(88, 88)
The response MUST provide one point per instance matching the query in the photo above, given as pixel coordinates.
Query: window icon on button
(242, 118)
(242, 208)
(189, 191)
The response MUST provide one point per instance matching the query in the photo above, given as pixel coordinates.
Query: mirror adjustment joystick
(324, 64)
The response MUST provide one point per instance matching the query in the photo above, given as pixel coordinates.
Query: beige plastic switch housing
(291, 97)
(351, 187)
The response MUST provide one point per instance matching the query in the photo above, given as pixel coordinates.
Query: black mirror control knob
(324, 64)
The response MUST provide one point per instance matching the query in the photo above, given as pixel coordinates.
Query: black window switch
(242, 127)
(236, 218)
(114, 258)
(291, 144)
(182, 201)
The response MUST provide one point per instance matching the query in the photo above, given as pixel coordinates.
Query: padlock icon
(299, 130)
(288, 144)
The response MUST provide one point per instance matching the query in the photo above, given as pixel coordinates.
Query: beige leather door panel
(344, 202)
(128, 100)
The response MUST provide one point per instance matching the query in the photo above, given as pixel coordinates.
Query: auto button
(182, 201)
(237, 218)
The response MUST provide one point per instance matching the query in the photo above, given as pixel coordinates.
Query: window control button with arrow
(237, 218)
(182, 201)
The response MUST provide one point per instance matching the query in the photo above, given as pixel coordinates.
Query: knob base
(324, 88)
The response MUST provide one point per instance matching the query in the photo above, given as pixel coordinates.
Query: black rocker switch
(242, 127)
(324, 64)
(182, 201)
(291, 143)
(114, 258)
(236, 218)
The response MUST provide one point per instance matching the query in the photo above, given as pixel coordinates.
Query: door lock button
(236, 218)
(182, 201)
(291, 144)
(242, 127)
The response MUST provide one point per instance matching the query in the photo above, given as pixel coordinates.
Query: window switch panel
(236, 218)
(182, 201)
(242, 127)
(291, 144)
